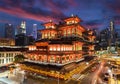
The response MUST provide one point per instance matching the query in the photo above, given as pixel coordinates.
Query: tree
(19, 58)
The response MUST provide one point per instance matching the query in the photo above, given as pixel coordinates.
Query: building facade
(61, 44)
(7, 42)
(34, 33)
(108, 38)
(7, 54)
(22, 28)
(9, 31)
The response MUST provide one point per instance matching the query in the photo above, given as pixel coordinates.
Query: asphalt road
(93, 77)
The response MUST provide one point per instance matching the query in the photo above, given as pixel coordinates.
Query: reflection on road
(93, 75)
(96, 77)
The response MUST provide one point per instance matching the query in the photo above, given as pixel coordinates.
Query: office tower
(21, 40)
(9, 32)
(34, 33)
(22, 28)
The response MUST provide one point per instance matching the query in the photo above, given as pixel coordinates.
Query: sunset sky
(94, 13)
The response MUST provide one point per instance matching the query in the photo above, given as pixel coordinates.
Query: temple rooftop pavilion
(61, 44)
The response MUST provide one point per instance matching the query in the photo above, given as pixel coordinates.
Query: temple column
(65, 58)
(50, 34)
(66, 32)
(55, 59)
(71, 31)
(47, 34)
(60, 59)
(70, 57)
(47, 58)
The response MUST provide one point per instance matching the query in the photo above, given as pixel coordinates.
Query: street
(92, 74)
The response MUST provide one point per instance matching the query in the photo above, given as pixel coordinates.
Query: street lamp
(110, 72)
(87, 63)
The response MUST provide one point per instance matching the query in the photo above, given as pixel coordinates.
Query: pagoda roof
(72, 26)
(72, 18)
(48, 23)
(60, 41)
(49, 29)
(73, 38)
(42, 40)
(41, 52)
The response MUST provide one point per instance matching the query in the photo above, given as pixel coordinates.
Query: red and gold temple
(62, 43)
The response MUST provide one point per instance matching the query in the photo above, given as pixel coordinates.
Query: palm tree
(19, 58)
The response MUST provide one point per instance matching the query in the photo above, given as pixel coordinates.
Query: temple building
(62, 43)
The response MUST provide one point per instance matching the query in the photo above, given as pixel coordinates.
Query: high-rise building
(9, 31)
(21, 40)
(108, 37)
(104, 38)
(34, 33)
(22, 28)
(112, 37)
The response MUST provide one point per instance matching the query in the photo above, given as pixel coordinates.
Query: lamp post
(87, 63)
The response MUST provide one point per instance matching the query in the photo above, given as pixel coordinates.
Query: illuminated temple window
(42, 35)
(54, 49)
(62, 48)
(64, 32)
(70, 22)
(51, 49)
(48, 35)
(45, 35)
(68, 31)
(79, 47)
(73, 30)
(52, 59)
(53, 35)
(47, 27)
(32, 47)
(79, 33)
(45, 58)
(57, 59)
(53, 26)
(58, 49)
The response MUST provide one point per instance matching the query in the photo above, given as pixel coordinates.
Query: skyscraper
(21, 39)
(22, 28)
(34, 33)
(9, 31)
(112, 37)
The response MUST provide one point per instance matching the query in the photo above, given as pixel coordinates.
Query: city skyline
(60, 41)
(94, 14)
